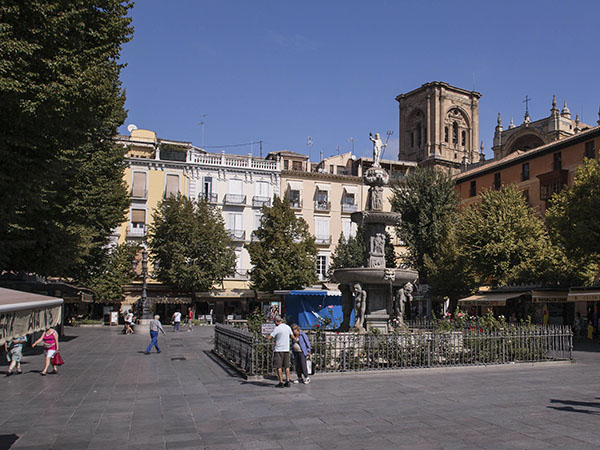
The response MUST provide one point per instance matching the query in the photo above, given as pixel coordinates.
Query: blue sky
(279, 71)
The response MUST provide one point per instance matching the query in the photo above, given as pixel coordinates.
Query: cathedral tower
(439, 126)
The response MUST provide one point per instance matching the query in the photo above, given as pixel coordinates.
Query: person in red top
(190, 318)
(50, 339)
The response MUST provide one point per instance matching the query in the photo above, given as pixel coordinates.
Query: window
(262, 189)
(331, 169)
(238, 263)
(473, 189)
(138, 190)
(419, 136)
(286, 164)
(589, 150)
(497, 181)
(294, 198)
(526, 195)
(348, 198)
(138, 218)
(233, 224)
(322, 202)
(234, 193)
(322, 267)
(296, 165)
(557, 161)
(172, 186)
(445, 134)
(257, 219)
(322, 230)
(463, 138)
(348, 228)
(455, 133)
(525, 172)
(549, 188)
(207, 186)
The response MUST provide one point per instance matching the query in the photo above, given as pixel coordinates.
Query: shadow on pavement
(7, 440)
(572, 403)
(571, 409)
(266, 384)
(576, 403)
(223, 365)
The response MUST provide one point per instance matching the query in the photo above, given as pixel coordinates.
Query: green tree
(351, 252)
(505, 240)
(574, 214)
(425, 200)
(191, 244)
(284, 254)
(449, 271)
(61, 102)
(107, 283)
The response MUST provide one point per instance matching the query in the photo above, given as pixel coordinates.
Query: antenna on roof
(389, 133)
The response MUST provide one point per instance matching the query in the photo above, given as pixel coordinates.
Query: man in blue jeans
(155, 326)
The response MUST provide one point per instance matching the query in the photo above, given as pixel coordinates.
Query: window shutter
(172, 188)
(139, 185)
(138, 215)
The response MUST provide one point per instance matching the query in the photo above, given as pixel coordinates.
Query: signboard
(267, 328)
(27, 321)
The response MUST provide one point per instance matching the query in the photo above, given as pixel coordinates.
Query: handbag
(57, 360)
(309, 367)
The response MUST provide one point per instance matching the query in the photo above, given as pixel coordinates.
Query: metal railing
(237, 235)
(323, 240)
(258, 201)
(322, 205)
(234, 199)
(210, 197)
(295, 204)
(351, 352)
(349, 207)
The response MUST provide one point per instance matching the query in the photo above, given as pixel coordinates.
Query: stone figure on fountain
(377, 146)
(360, 306)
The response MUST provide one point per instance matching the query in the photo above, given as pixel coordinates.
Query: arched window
(455, 133)
(463, 138)
(445, 134)
(419, 136)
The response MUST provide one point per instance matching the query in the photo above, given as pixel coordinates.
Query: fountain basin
(368, 275)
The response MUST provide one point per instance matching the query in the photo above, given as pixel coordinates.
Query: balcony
(322, 205)
(134, 230)
(139, 195)
(259, 202)
(323, 240)
(349, 208)
(237, 235)
(296, 204)
(254, 237)
(210, 197)
(234, 199)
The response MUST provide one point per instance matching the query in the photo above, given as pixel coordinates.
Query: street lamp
(143, 303)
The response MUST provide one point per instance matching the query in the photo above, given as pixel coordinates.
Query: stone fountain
(376, 293)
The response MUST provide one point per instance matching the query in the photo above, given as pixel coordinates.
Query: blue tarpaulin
(306, 307)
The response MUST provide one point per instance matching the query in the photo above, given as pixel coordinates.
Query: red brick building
(538, 172)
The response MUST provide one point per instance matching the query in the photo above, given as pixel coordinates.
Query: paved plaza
(110, 395)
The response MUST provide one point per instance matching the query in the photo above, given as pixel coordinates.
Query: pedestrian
(50, 339)
(190, 318)
(281, 352)
(301, 351)
(14, 353)
(129, 322)
(577, 325)
(155, 326)
(176, 320)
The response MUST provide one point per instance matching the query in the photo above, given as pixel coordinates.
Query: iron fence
(351, 352)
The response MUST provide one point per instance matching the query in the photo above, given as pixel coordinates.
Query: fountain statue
(369, 290)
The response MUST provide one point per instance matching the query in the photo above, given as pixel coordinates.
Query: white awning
(584, 296)
(351, 189)
(23, 313)
(295, 185)
(489, 299)
(323, 186)
(549, 296)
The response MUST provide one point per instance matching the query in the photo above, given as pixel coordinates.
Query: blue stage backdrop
(305, 308)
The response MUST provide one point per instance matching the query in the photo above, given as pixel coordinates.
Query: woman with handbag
(50, 339)
(301, 351)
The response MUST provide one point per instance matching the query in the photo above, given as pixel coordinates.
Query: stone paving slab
(110, 395)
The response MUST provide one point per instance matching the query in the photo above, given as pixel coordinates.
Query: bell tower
(439, 126)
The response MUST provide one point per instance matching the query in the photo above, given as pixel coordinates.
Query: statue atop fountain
(374, 279)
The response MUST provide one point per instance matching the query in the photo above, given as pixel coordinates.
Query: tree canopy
(574, 214)
(190, 242)
(61, 103)
(283, 256)
(426, 200)
(107, 283)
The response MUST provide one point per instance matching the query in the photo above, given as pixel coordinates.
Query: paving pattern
(110, 395)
